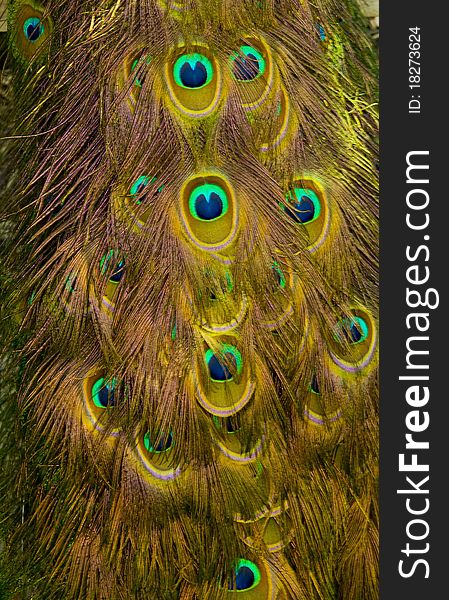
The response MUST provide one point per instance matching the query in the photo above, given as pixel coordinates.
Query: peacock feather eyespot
(231, 426)
(103, 393)
(247, 64)
(223, 365)
(159, 443)
(306, 204)
(275, 307)
(132, 74)
(136, 64)
(303, 205)
(353, 330)
(217, 370)
(216, 307)
(354, 340)
(193, 71)
(139, 185)
(194, 81)
(321, 32)
(314, 387)
(154, 451)
(118, 272)
(115, 268)
(33, 28)
(209, 212)
(253, 72)
(208, 202)
(279, 275)
(246, 576)
(100, 394)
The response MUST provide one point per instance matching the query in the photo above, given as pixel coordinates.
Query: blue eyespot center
(103, 393)
(231, 425)
(219, 371)
(193, 77)
(244, 578)
(33, 29)
(159, 443)
(355, 333)
(193, 71)
(208, 207)
(305, 209)
(208, 202)
(246, 69)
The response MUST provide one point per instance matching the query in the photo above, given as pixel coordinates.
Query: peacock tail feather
(190, 295)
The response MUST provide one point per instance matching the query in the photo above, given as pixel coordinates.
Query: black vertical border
(400, 133)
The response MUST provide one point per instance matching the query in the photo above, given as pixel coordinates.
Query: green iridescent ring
(210, 192)
(98, 386)
(192, 60)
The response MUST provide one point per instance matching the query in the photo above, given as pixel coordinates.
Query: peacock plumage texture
(190, 293)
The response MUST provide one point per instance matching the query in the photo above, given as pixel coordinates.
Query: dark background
(399, 134)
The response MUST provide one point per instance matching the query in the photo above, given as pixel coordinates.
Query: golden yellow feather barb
(190, 291)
